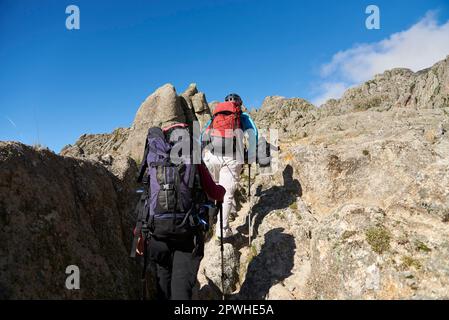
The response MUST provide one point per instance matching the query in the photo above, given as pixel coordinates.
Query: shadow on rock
(208, 292)
(271, 266)
(274, 198)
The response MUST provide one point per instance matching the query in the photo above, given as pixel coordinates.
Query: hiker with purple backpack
(178, 205)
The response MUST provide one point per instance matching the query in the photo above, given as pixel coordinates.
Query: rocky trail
(358, 208)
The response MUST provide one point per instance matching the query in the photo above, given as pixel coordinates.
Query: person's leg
(213, 164)
(233, 209)
(161, 255)
(229, 178)
(163, 282)
(185, 270)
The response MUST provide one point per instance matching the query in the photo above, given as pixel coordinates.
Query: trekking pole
(143, 279)
(222, 252)
(249, 212)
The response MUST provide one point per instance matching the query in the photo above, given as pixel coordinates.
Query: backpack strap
(158, 152)
(141, 220)
(192, 176)
(165, 163)
(143, 163)
(177, 179)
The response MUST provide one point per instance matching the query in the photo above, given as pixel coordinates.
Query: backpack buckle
(167, 187)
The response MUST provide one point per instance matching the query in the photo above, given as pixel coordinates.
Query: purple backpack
(172, 186)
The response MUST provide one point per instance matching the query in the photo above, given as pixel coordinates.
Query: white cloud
(419, 47)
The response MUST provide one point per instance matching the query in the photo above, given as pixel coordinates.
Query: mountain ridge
(358, 210)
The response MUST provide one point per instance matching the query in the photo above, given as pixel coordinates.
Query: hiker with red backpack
(175, 211)
(225, 152)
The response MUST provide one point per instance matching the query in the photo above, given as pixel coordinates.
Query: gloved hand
(213, 213)
(263, 153)
(140, 244)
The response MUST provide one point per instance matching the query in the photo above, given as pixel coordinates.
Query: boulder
(210, 271)
(60, 211)
(197, 105)
(160, 109)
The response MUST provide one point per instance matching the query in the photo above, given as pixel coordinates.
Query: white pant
(226, 172)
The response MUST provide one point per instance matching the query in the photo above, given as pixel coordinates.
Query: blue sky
(57, 84)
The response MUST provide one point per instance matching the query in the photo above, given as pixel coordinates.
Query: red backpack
(226, 119)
